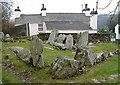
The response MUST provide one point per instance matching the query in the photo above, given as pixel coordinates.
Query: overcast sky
(71, 6)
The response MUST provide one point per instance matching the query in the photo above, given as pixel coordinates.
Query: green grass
(101, 70)
(9, 78)
(50, 55)
(104, 47)
(98, 71)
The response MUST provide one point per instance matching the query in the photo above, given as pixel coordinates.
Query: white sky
(71, 6)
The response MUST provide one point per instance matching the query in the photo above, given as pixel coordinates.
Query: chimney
(86, 6)
(17, 12)
(93, 12)
(86, 10)
(43, 10)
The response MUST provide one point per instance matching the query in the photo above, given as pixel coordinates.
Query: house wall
(117, 31)
(17, 14)
(87, 13)
(33, 29)
(93, 22)
(43, 12)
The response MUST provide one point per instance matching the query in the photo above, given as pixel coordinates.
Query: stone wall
(93, 38)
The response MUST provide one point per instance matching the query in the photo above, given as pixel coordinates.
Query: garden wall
(93, 38)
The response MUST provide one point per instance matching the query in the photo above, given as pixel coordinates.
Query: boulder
(60, 46)
(102, 57)
(110, 54)
(15, 49)
(8, 38)
(23, 54)
(63, 67)
(7, 35)
(61, 38)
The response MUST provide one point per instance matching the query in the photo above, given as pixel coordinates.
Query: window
(40, 27)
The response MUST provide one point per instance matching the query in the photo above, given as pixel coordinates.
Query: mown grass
(104, 47)
(43, 76)
(102, 70)
(9, 78)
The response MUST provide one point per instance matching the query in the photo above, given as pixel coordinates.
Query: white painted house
(117, 31)
(64, 22)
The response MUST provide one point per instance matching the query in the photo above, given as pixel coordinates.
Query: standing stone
(37, 52)
(82, 39)
(69, 42)
(91, 55)
(85, 56)
(61, 38)
(53, 36)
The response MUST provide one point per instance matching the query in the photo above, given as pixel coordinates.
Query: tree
(6, 15)
(113, 22)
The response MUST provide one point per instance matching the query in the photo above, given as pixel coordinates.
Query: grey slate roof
(58, 20)
(66, 17)
(67, 25)
(28, 18)
(36, 18)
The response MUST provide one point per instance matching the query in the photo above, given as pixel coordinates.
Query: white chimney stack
(17, 12)
(86, 10)
(43, 10)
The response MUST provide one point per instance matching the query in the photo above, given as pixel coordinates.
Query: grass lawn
(36, 75)
(9, 77)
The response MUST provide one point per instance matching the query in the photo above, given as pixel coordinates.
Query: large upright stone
(52, 36)
(69, 42)
(37, 52)
(85, 56)
(61, 38)
(82, 39)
